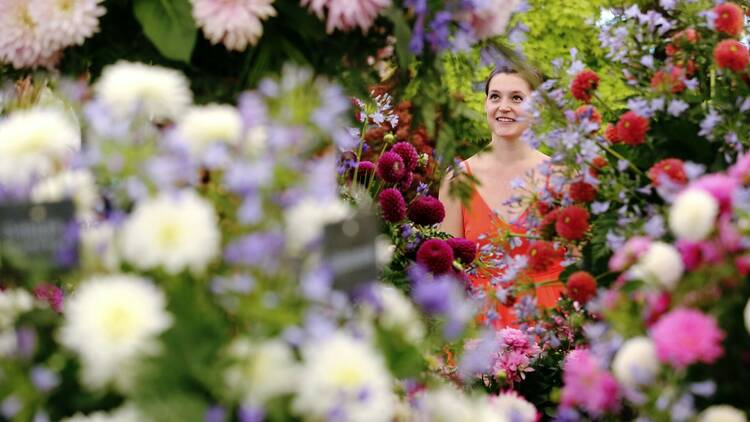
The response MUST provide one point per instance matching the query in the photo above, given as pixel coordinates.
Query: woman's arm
(453, 223)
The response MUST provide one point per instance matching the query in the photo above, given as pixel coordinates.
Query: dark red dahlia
(436, 255)
(392, 205)
(581, 191)
(426, 210)
(671, 169)
(572, 222)
(610, 133)
(463, 249)
(729, 19)
(406, 182)
(581, 286)
(391, 167)
(584, 84)
(731, 54)
(408, 153)
(542, 255)
(632, 128)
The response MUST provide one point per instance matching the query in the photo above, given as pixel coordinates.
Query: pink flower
(489, 18)
(22, 43)
(67, 22)
(516, 354)
(741, 169)
(686, 336)
(587, 385)
(346, 15)
(235, 23)
(629, 253)
(51, 294)
(720, 186)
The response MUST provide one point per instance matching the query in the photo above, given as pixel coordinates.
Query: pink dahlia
(392, 205)
(22, 41)
(426, 210)
(587, 385)
(436, 255)
(391, 167)
(66, 22)
(408, 153)
(463, 249)
(235, 23)
(720, 186)
(741, 169)
(346, 15)
(686, 336)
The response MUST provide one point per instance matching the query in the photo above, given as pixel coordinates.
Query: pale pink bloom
(490, 17)
(686, 336)
(346, 15)
(629, 253)
(22, 41)
(720, 186)
(66, 22)
(741, 169)
(235, 23)
(587, 385)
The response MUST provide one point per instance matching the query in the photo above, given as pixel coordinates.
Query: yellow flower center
(118, 323)
(169, 235)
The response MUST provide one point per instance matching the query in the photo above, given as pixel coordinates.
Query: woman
(507, 91)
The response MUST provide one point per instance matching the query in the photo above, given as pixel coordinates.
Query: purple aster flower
(648, 61)
(745, 105)
(251, 210)
(668, 4)
(693, 170)
(703, 389)
(316, 284)
(655, 227)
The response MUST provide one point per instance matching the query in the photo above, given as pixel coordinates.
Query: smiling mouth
(505, 120)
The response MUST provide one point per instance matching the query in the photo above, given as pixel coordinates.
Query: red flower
(683, 37)
(581, 191)
(436, 255)
(729, 19)
(672, 81)
(610, 133)
(543, 207)
(589, 112)
(408, 153)
(572, 222)
(463, 249)
(632, 128)
(597, 165)
(391, 167)
(581, 286)
(426, 211)
(672, 169)
(584, 84)
(542, 255)
(731, 54)
(547, 226)
(392, 205)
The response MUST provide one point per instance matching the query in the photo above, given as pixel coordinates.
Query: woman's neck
(510, 150)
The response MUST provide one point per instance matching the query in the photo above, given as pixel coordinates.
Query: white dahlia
(111, 322)
(235, 23)
(636, 363)
(346, 15)
(660, 265)
(22, 41)
(34, 144)
(205, 125)
(722, 413)
(344, 377)
(175, 231)
(261, 371)
(66, 22)
(693, 215)
(159, 92)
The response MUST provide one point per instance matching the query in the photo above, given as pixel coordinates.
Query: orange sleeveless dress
(480, 224)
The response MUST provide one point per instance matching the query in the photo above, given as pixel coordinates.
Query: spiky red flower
(671, 169)
(589, 112)
(729, 19)
(731, 54)
(408, 153)
(581, 191)
(542, 255)
(436, 255)
(610, 133)
(392, 205)
(672, 81)
(391, 167)
(581, 286)
(632, 128)
(572, 222)
(584, 84)
(463, 249)
(426, 210)
(597, 164)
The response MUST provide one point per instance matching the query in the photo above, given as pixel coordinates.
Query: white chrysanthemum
(158, 92)
(111, 322)
(175, 231)
(125, 413)
(636, 363)
(205, 125)
(693, 215)
(491, 17)
(35, 143)
(722, 413)
(78, 185)
(262, 371)
(345, 376)
(399, 314)
(660, 265)
(445, 404)
(305, 220)
(13, 302)
(235, 23)
(747, 316)
(346, 15)
(66, 22)
(514, 408)
(22, 42)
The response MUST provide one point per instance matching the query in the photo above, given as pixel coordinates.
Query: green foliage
(169, 25)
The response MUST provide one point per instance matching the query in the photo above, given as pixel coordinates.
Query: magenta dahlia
(436, 255)
(391, 167)
(426, 210)
(392, 205)
(408, 153)
(463, 249)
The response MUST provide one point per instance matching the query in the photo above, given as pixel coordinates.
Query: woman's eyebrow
(497, 91)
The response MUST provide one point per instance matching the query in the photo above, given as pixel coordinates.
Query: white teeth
(505, 119)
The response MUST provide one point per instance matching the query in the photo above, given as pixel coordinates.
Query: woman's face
(506, 114)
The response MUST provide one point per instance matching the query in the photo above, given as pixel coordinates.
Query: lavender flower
(676, 107)
(709, 123)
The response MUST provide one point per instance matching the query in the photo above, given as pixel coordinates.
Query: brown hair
(528, 74)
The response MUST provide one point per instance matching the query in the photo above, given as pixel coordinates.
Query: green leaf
(169, 25)
(403, 37)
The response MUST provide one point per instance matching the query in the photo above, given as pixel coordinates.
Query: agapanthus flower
(463, 249)
(345, 15)
(581, 286)
(392, 205)
(632, 128)
(436, 255)
(572, 222)
(391, 167)
(729, 19)
(584, 84)
(687, 336)
(732, 55)
(587, 385)
(426, 210)
(235, 23)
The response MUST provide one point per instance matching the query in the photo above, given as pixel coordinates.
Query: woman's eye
(494, 97)
(517, 98)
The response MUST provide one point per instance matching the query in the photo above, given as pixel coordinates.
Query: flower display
(426, 211)
(237, 23)
(436, 255)
(392, 205)
(572, 222)
(729, 19)
(636, 363)
(202, 126)
(686, 336)
(732, 55)
(346, 16)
